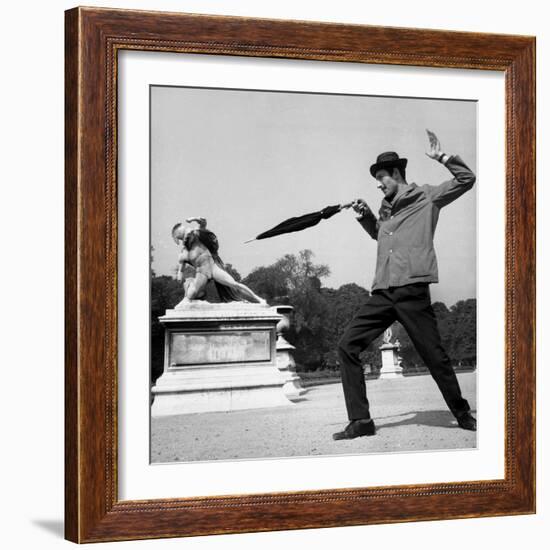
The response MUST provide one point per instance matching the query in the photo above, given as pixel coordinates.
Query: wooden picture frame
(93, 511)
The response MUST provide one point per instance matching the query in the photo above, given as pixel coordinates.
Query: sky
(246, 160)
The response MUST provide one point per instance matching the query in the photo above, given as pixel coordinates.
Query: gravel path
(410, 415)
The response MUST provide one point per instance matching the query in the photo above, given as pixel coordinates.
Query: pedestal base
(219, 357)
(227, 390)
(390, 362)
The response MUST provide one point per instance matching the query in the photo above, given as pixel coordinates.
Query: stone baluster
(292, 387)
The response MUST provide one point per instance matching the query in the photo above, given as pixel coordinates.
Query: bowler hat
(387, 160)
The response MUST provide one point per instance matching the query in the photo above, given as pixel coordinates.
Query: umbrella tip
(249, 241)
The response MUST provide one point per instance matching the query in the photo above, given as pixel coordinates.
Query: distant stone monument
(220, 357)
(391, 362)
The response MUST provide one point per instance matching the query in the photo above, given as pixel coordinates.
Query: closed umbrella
(299, 223)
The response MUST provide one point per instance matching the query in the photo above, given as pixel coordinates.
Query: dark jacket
(406, 226)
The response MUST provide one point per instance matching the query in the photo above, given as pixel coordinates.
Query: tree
(152, 249)
(457, 327)
(342, 304)
(269, 283)
(166, 292)
(462, 347)
(296, 280)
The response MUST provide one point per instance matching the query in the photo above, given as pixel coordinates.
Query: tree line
(321, 315)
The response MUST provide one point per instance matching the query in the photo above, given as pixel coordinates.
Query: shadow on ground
(440, 419)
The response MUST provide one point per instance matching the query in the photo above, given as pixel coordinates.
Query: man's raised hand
(435, 146)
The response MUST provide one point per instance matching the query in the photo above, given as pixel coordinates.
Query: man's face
(386, 183)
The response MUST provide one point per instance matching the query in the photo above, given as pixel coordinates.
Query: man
(405, 267)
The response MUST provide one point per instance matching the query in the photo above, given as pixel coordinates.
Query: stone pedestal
(292, 387)
(391, 362)
(219, 357)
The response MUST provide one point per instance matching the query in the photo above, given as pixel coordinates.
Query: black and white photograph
(313, 274)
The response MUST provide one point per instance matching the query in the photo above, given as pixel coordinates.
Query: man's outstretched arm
(366, 218)
(462, 181)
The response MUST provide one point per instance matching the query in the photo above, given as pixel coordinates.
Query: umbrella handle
(347, 205)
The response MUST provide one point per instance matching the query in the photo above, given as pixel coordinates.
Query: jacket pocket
(420, 262)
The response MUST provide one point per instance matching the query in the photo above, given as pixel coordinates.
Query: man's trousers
(411, 306)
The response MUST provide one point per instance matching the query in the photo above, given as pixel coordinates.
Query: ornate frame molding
(93, 39)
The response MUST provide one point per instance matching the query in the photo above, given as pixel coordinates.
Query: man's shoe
(467, 422)
(356, 428)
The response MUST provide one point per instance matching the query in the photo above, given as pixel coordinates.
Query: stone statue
(199, 249)
(391, 361)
